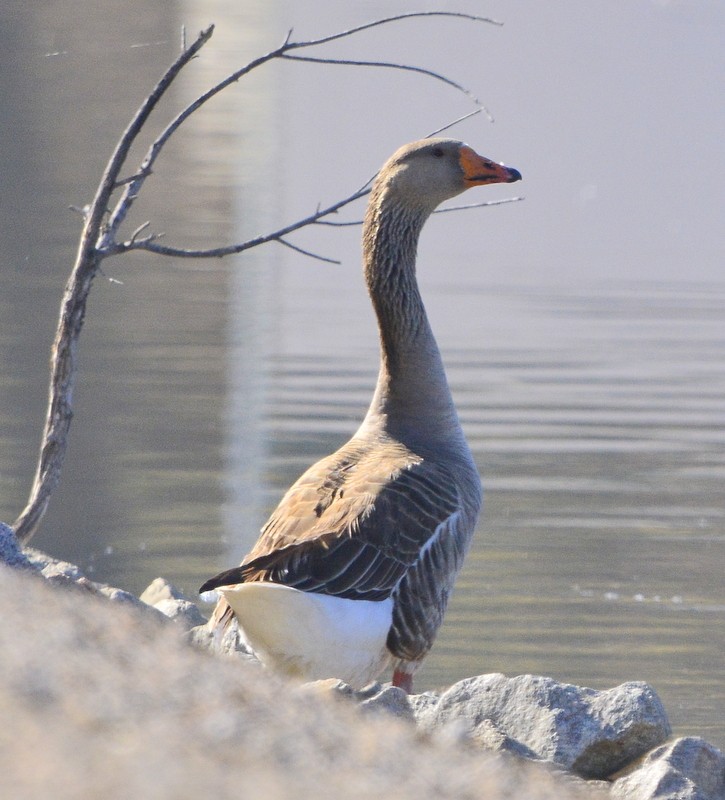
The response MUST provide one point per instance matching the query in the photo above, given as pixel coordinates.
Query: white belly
(313, 636)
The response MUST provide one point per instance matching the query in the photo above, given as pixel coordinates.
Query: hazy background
(583, 328)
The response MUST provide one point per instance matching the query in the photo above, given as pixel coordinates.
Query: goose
(352, 572)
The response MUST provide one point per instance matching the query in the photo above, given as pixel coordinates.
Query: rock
(116, 595)
(202, 637)
(686, 769)
(160, 589)
(420, 703)
(103, 687)
(170, 601)
(63, 573)
(592, 733)
(53, 569)
(101, 702)
(10, 551)
(181, 612)
(390, 700)
(227, 642)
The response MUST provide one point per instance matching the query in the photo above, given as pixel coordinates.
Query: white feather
(311, 635)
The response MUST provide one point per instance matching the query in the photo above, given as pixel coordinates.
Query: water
(593, 398)
(600, 553)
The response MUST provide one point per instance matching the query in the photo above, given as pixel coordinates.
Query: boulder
(685, 769)
(64, 574)
(160, 589)
(170, 601)
(182, 612)
(591, 733)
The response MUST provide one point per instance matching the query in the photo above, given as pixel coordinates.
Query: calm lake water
(593, 396)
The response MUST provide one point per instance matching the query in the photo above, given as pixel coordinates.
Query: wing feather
(352, 525)
(369, 522)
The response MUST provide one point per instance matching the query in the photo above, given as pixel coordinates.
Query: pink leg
(403, 680)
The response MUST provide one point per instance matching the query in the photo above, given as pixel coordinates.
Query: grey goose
(353, 570)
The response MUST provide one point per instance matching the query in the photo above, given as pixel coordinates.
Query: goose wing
(354, 524)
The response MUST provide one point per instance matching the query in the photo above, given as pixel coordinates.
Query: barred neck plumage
(412, 399)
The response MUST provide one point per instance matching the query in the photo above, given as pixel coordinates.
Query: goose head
(423, 174)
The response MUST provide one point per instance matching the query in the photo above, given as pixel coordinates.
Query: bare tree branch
(458, 121)
(102, 224)
(109, 245)
(350, 223)
(73, 309)
(219, 252)
(392, 65)
(482, 204)
(309, 253)
(386, 20)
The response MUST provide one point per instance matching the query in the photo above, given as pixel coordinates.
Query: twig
(392, 65)
(220, 252)
(309, 253)
(395, 18)
(483, 204)
(458, 121)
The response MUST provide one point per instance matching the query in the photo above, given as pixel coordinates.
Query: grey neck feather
(412, 401)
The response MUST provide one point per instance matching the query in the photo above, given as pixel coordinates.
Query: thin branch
(351, 223)
(138, 231)
(220, 252)
(149, 244)
(392, 65)
(308, 253)
(331, 223)
(482, 204)
(458, 121)
(386, 20)
(110, 179)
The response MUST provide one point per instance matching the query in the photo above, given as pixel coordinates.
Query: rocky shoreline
(109, 698)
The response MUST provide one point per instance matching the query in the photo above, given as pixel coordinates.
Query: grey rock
(491, 737)
(170, 601)
(592, 733)
(202, 637)
(160, 589)
(420, 703)
(10, 551)
(181, 612)
(685, 769)
(55, 570)
(62, 573)
(101, 702)
(116, 595)
(227, 642)
(391, 700)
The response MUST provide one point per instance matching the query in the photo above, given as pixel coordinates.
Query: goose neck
(412, 392)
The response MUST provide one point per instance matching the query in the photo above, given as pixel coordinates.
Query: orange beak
(478, 170)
